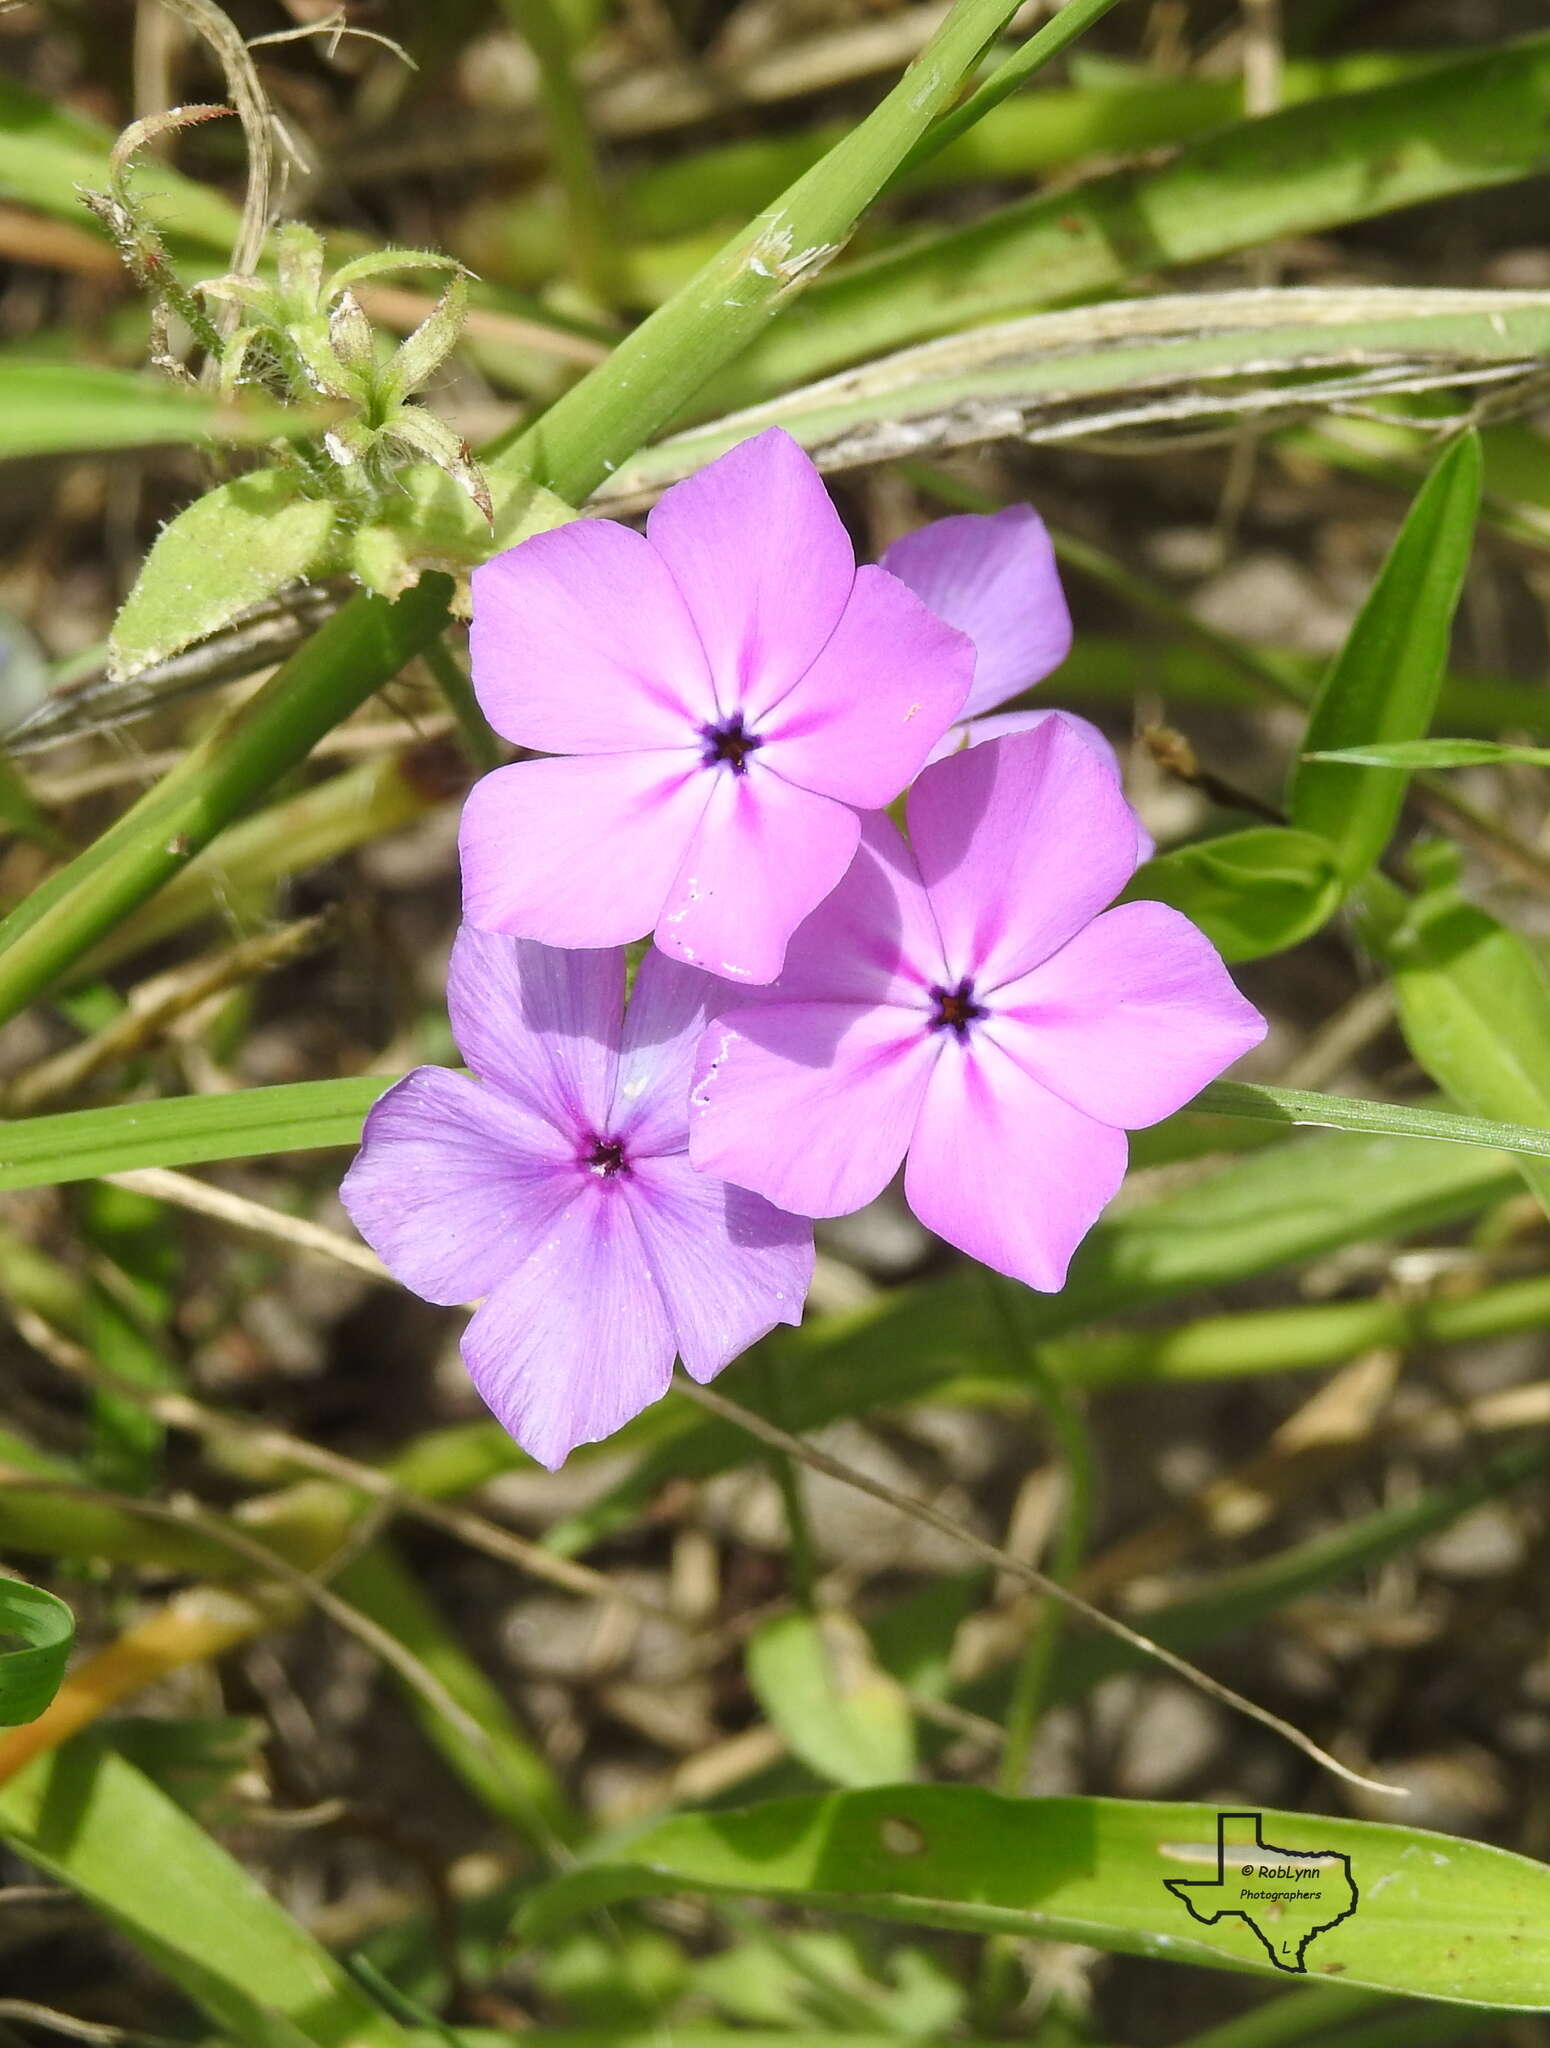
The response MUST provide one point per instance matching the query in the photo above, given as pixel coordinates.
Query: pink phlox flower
(966, 1005)
(557, 1186)
(719, 697)
(994, 576)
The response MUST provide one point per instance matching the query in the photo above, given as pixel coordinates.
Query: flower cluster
(727, 706)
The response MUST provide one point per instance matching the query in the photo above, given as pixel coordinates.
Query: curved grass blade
(1433, 1916)
(30, 1676)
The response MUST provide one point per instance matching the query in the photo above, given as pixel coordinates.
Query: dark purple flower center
(954, 1009)
(730, 742)
(606, 1158)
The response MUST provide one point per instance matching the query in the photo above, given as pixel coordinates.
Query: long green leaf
(66, 408)
(185, 1130)
(88, 1818)
(30, 1676)
(1053, 376)
(1409, 754)
(1464, 126)
(1434, 1916)
(1383, 685)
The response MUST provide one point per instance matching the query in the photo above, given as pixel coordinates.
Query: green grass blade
(256, 743)
(30, 1675)
(1383, 685)
(1051, 376)
(656, 370)
(1435, 1916)
(65, 408)
(186, 1130)
(88, 1818)
(1467, 125)
(1349, 1113)
(1414, 754)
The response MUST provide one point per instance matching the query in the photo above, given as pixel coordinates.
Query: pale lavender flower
(993, 575)
(557, 1186)
(966, 1000)
(719, 696)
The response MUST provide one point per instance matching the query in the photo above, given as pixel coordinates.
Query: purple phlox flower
(964, 1003)
(557, 1186)
(994, 576)
(719, 696)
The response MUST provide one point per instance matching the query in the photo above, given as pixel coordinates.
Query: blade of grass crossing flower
(1383, 684)
(36, 1631)
(89, 1819)
(1095, 1871)
(187, 1130)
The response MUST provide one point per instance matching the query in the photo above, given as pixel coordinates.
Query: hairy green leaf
(226, 552)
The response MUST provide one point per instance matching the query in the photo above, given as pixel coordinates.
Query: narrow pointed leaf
(1384, 682)
(71, 408)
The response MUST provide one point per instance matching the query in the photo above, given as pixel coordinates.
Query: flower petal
(540, 1023)
(576, 1340)
(993, 576)
(579, 851)
(1006, 1171)
(809, 1104)
(976, 731)
(581, 644)
(1020, 843)
(764, 563)
(873, 938)
(727, 1264)
(765, 855)
(670, 1006)
(860, 723)
(452, 1182)
(1130, 1019)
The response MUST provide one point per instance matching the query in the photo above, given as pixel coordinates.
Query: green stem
(484, 748)
(1076, 1459)
(1057, 34)
(658, 368)
(594, 254)
(799, 1528)
(360, 648)
(1001, 1963)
